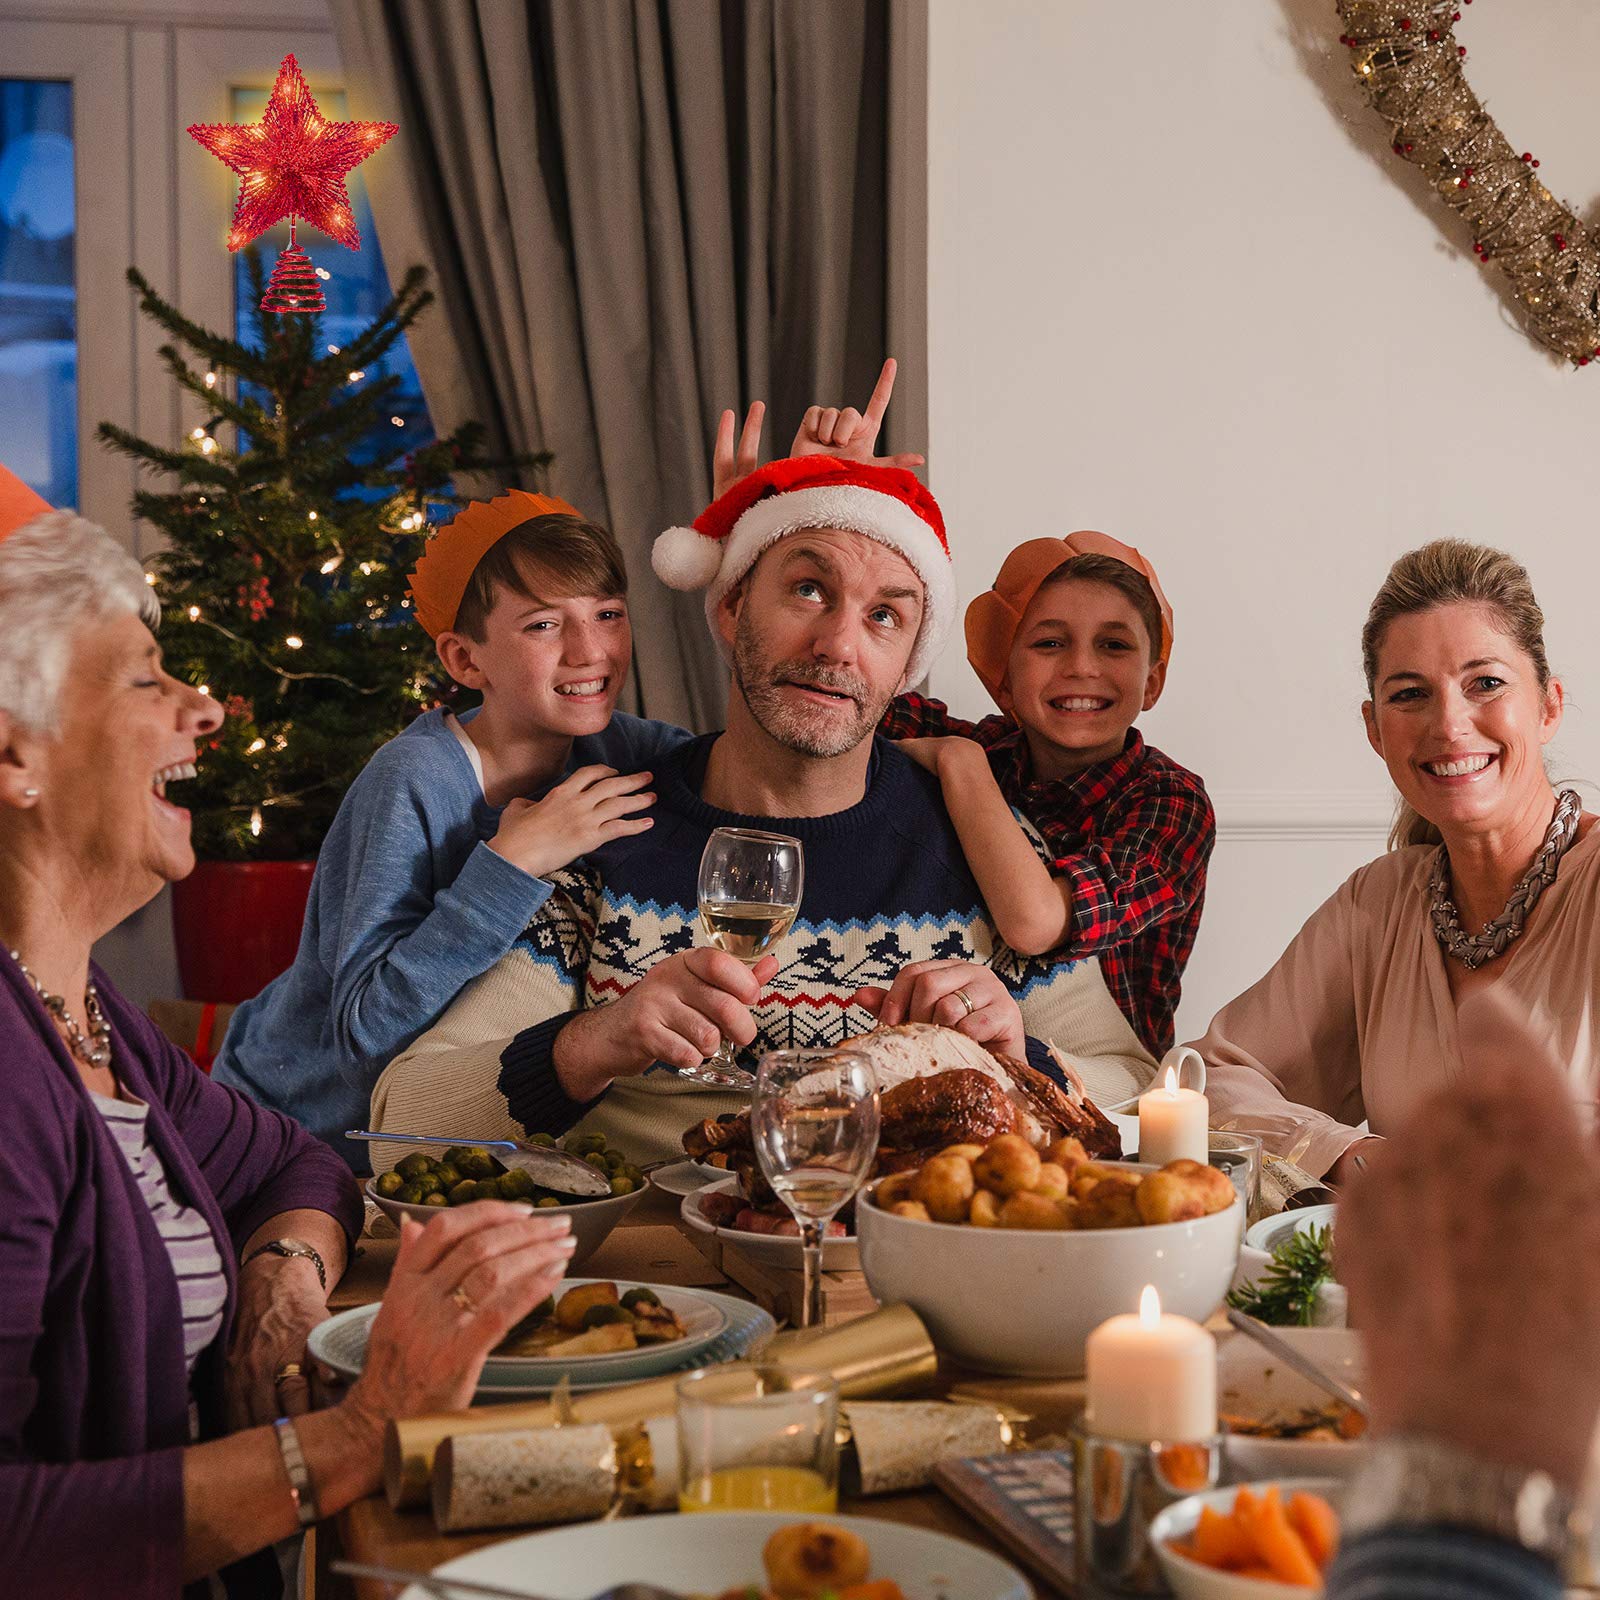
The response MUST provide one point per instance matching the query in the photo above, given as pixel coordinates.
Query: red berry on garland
(1536, 163)
(1433, 36)
(1405, 24)
(1461, 49)
(1583, 361)
(1409, 148)
(1560, 243)
(1455, 16)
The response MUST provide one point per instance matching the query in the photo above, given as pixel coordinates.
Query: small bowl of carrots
(1257, 1541)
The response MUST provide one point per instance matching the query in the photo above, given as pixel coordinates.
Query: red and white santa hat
(888, 504)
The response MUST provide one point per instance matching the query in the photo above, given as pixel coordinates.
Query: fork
(446, 1588)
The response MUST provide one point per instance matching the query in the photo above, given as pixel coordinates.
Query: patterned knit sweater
(886, 884)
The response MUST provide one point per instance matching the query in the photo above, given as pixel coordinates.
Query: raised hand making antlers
(824, 430)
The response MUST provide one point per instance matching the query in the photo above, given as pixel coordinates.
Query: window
(355, 283)
(38, 288)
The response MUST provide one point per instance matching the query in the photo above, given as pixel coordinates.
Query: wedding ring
(290, 1369)
(464, 1300)
(967, 1001)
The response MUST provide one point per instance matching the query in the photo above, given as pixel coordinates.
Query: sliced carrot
(1277, 1544)
(1259, 1571)
(1219, 1541)
(1184, 1548)
(1317, 1523)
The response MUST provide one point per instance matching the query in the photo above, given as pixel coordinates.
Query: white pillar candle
(1151, 1376)
(1173, 1124)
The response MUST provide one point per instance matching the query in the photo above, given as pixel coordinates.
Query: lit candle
(1151, 1376)
(1173, 1123)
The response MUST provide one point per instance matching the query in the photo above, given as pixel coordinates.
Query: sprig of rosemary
(1285, 1294)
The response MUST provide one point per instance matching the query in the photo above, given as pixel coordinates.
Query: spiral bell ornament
(294, 285)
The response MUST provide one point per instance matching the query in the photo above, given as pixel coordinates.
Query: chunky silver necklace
(1473, 949)
(93, 1048)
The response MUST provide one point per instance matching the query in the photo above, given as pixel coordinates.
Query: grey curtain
(637, 213)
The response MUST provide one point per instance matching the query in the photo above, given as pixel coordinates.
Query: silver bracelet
(294, 1463)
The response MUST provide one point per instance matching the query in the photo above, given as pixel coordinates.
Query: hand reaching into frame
(847, 434)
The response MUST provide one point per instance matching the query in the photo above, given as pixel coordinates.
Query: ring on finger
(969, 1005)
(464, 1300)
(290, 1369)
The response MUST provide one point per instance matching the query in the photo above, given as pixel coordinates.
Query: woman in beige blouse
(1358, 1019)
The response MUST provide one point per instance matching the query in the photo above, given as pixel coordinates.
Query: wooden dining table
(651, 1245)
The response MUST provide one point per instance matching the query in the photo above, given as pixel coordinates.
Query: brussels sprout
(595, 1159)
(587, 1144)
(464, 1191)
(475, 1163)
(447, 1176)
(635, 1298)
(545, 1141)
(598, 1316)
(497, 1168)
(615, 1160)
(410, 1195)
(427, 1184)
(548, 1203)
(486, 1189)
(453, 1156)
(413, 1165)
(437, 1198)
(390, 1183)
(621, 1185)
(633, 1172)
(517, 1185)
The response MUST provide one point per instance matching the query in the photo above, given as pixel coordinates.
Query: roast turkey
(937, 1088)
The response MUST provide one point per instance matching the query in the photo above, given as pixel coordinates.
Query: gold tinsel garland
(1411, 68)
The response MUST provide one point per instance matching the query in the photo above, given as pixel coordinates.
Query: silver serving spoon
(1302, 1363)
(550, 1169)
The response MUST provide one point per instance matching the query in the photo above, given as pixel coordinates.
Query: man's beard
(814, 733)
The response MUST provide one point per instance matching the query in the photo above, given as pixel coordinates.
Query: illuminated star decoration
(293, 164)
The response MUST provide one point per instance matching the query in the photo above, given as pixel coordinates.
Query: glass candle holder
(758, 1438)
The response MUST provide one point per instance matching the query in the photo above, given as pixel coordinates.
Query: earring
(30, 794)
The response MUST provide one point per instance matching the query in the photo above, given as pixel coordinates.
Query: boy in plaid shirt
(1072, 641)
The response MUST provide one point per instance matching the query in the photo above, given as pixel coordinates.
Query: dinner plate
(341, 1343)
(1254, 1383)
(702, 1319)
(1270, 1232)
(711, 1552)
(684, 1177)
(838, 1255)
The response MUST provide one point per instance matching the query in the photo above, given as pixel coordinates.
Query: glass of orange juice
(758, 1438)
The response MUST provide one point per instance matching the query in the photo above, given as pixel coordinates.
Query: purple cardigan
(94, 1397)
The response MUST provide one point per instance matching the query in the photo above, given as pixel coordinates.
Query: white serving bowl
(592, 1220)
(1252, 1382)
(1021, 1303)
(1189, 1580)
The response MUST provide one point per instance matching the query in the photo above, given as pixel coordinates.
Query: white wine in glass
(749, 894)
(815, 1124)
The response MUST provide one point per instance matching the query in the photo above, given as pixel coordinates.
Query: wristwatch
(1413, 1481)
(291, 1247)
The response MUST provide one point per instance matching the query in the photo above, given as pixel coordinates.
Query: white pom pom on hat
(684, 559)
(888, 504)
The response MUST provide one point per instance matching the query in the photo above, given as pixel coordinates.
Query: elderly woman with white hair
(166, 1244)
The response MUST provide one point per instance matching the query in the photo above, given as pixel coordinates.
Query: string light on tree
(294, 641)
(255, 823)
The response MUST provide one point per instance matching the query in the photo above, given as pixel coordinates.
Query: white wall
(1180, 290)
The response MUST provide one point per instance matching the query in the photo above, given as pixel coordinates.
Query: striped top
(202, 1286)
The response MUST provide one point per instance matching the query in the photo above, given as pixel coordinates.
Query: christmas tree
(283, 580)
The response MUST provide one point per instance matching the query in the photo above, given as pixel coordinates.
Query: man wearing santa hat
(828, 587)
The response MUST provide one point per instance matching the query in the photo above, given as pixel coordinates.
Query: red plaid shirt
(1131, 835)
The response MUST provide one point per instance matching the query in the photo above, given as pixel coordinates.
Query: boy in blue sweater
(440, 854)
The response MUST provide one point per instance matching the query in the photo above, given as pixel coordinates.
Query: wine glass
(750, 886)
(814, 1120)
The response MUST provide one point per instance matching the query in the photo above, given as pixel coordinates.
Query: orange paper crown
(18, 503)
(994, 617)
(453, 553)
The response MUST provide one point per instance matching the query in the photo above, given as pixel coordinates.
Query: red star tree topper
(293, 164)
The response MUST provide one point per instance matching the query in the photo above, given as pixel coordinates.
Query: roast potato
(944, 1186)
(1008, 1165)
(808, 1559)
(1032, 1211)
